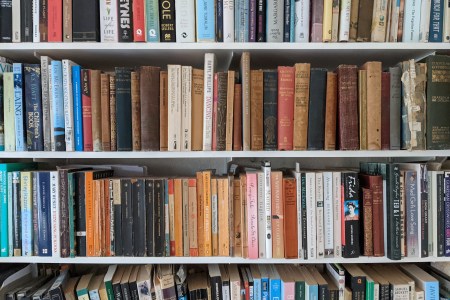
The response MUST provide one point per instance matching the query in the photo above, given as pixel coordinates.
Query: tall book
(57, 104)
(125, 20)
(256, 110)
(274, 21)
(19, 107)
(33, 107)
(174, 107)
(185, 21)
(149, 94)
(411, 21)
(394, 107)
(108, 21)
(220, 114)
(167, 20)
(270, 109)
(86, 21)
(96, 110)
(197, 109)
(350, 205)
(186, 108)
(286, 91)
(230, 111)
(373, 105)
(290, 215)
(379, 21)
(301, 105)
(246, 100)
(87, 110)
(163, 111)
(209, 70)
(277, 214)
(331, 112)
(206, 23)
(106, 116)
(135, 111)
(123, 109)
(316, 111)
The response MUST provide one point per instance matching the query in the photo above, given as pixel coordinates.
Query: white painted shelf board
(223, 154)
(207, 260)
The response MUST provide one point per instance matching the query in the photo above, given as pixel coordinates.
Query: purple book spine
(252, 29)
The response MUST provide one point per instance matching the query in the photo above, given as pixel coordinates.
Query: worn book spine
(167, 21)
(96, 110)
(237, 118)
(229, 112)
(221, 116)
(163, 112)
(200, 215)
(331, 112)
(246, 100)
(87, 110)
(236, 242)
(86, 21)
(138, 9)
(379, 21)
(316, 21)
(208, 92)
(135, 111)
(394, 15)
(149, 96)
(301, 105)
(362, 108)
(286, 91)
(207, 219)
(366, 216)
(274, 21)
(316, 111)
(192, 215)
(112, 111)
(394, 106)
(197, 110)
(350, 222)
(327, 20)
(105, 114)
(373, 105)
(32, 80)
(256, 110)
(385, 112)
(67, 21)
(108, 21)
(354, 13)
(123, 109)
(365, 20)
(270, 108)
(125, 20)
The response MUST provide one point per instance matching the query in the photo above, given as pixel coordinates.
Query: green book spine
(300, 290)
(152, 13)
(109, 290)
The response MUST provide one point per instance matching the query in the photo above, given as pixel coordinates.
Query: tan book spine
(373, 104)
(200, 215)
(237, 217)
(335, 21)
(256, 110)
(301, 100)
(105, 115)
(186, 220)
(362, 106)
(178, 216)
(354, 12)
(96, 110)
(67, 20)
(379, 21)
(331, 112)
(223, 212)
(136, 111)
(101, 219)
(237, 118)
(214, 216)
(197, 109)
(243, 193)
(230, 109)
(163, 105)
(174, 107)
(193, 237)
(277, 215)
(112, 111)
(327, 20)
(246, 111)
(207, 212)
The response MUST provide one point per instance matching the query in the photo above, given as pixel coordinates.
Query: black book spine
(80, 218)
(36, 209)
(216, 287)
(167, 20)
(384, 291)
(33, 107)
(219, 20)
(17, 228)
(117, 291)
(139, 217)
(393, 202)
(304, 217)
(440, 214)
(126, 294)
(127, 216)
(424, 207)
(350, 186)
(358, 286)
(6, 21)
(261, 21)
(270, 109)
(125, 12)
(123, 109)
(134, 290)
(316, 113)
(43, 21)
(287, 22)
(150, 208)
(86, 21)
(64, 212)
(324, 294)
(26, 21)
(159, 217)
(118, 243)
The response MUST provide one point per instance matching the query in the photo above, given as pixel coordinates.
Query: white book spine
(328, 219)
(302, 8)
(68, 103)
(54, 200)
(379, 16)
(226, 291)
(36, 32)
(344, 20)
(108, 21)
(185, 21)
(274, 21)
(174, 105)
(446, 27)
(298, 184)
(425, 21)
(186, 108)
(319, 216)
(208, 100)
(395, 12)
(16, 21)
(411, 21)
(261, 216)
(268, 208)
(50, 101)
(311, 214)
(228, 21)
(376, 291)
(337, 213)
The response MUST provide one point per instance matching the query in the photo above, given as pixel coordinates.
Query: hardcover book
(86, 21)
(286, 91)
(301, 106)
(270, 109)
(123, 109)
(316, 111)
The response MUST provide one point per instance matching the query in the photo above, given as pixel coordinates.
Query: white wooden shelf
(208, 260)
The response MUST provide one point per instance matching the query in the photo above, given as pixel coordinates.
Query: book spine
(337, 214)
(385, 112)
(68, 104)
(58, 106)
(335, 21)
(71, 212)
(152, 20)
(17, 213)
(16, 21)
(298, 191)
(26, 21)
(274, 25)
(290, 215)
(425, 21)
(5, 188)
(447, 215)
(425, 206)
(139, 216)
(139, 20)
(267, 192)
(328, 214)
(316, 21)
(261, 21)
(252, 21)
(125, 20)
(237, 118)
(394, 105)
(77, 108)
(26, 213)
(185, 21)
(105, 115)
(446, 33)
(256, 110)
(123, 109)
(135, 111)
(178, 216)
(6, 14)
(167, 20)
(228, 21)
(331, 112)
(246, 100)
(10, 216)
(229, 110)
(36, 33)
(127, 217)
(32, 78)
(354, 13)
(186, 108)
(9, 114)
(175, 103)
(108, 21)
(393, 215)
(379, 21)
(350, 223)
(64, 213)
(43, 240)
(277, 215)
(252, 206)
(67, 20)
(270, 94)
(112, 111)
(286, 90)
(45, 61)
(55, 23)
(80, 214)
(19, 107)
(55, 207)
(87, 110)
(95, 90)
(366, 215)
(301, 105)
(205, 12)
(436, 21)
(327, 20)
(219, 20)
(310, 195)
(394, 14)
(411, 21)
(316, 109)
(320, 240)
(208, 100)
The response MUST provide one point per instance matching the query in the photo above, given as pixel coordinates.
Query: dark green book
(123, 109)
(316, 113)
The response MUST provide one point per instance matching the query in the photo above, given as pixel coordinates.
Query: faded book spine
(197, 109)
(163, 111)
(96, 110)
(256, 107)
(105, 115)
(112, 111)
(331, 112)
(286, 89)
(301, 105)
(135, 111)
(149, 93)
(222, 78)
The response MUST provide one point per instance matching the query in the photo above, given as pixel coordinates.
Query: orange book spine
(170, 185)
(107, 201)
(101, 219)
(237, 217)
(290, 222)
(178, 216)
(223, 214)
(277, 215)
(193, 240)
(200, 216)
(88, 193)
(207, 212)
(96, 216)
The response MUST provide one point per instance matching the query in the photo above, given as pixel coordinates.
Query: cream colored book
(327, 20)
(186, 108)
(174, 107)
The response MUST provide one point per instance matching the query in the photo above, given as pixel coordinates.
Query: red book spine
(214, 115)
(55, 23)
(87, 110)
(138, 21)
(385, 104)
(286, 88)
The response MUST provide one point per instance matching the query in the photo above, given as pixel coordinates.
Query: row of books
(392, 210)
(225, 21)
(59, 106)
(236, 282)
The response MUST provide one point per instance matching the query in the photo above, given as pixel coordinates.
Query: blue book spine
(206, 27)
(166, 218)
(292, 21)
(44, 222)
(275, 289)
(77, 108)
(152, 19)
(257, 288)
(436, 21)
(219, 17)
(447, 214)
(431, 290)
(93, 295)
(265, 289)
(4, 249)
(33, 107)
(313, 292)
(242, 22)
(58, 106)
(237, 24)
(18, 107)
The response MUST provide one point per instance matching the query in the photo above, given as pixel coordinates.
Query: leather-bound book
(348, 138)
(286, 86)
(316, 112)
(197, 109)
(96, 110)
(365, 20)
(222, 81)
(366, 219)
(237, 118)
(123, 109)
(105, 112)
(385, 111)
(290, 218)
(331, 112)
(149, 91)
(135, 111)
(301, 104)
(256, 110)
(163, 111)
(270, 108)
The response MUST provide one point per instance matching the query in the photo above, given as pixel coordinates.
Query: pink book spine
(252, 215)
(289, 290)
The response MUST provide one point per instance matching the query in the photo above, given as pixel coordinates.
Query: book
(33, 109)
(86, 21)
(246, 100)
(256, 110)
(95, 90)
(270, 109)
(316, 111)
(135, 111)
(206, 23)
(330, 112)
(123, 109)
(19, 107)
(286, 91)
(301, 106)
(209, 70)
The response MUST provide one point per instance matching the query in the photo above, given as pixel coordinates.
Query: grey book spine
(395, 105)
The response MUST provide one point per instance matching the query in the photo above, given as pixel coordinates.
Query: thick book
(33, 107)
(274, 21)
(86, 21)
(301, 105)
(123, 109)
(316, 111)
(256, 110)
(241, 28)
(167, 20)
(68, 104)
(43, 215)
(108, 21)
(205, 21)
(270, 109)
(208, 93)
(125, 20)
(350, 222)
(286, 91)
(436, 21)
(149, 94)
(197, 110)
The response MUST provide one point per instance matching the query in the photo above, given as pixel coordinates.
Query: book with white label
(36, 32)
(108, 21)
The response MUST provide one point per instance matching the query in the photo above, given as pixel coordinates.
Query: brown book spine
(362, 107)
(67, 21)
(149, 90)
(286, 86)
(348, 137)
(112, 111)
(385, 112)
(237, 118)
(246, 110)
(354, 10)
(237, 218)
(163, 112)
(96, 110)
(277, 215)
(331, 112)
(197, 110)
(222, 80)
(302, 77)
(230, 109)
(364, 25)
(378, 225)
(136, 111)
(256, 110)
(200, 215)
(290, 218)
(105, 114)
(178, 217)
(43, 21)
(373, 104)
(367, 222)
